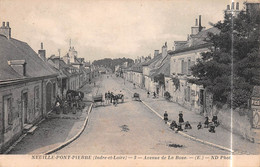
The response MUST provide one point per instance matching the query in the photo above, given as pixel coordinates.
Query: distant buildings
(170, 70)
(175, 66)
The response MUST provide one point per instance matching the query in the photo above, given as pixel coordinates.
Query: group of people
(181, 122)
(65, 105)
(154, 94)
(178, 126)
(110, 97)
(209, 124)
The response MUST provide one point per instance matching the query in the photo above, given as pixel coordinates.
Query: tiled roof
(163, 67)
(199, 40)
(12, 49)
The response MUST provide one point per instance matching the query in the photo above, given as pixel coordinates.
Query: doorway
(48, 97)
(24, 108)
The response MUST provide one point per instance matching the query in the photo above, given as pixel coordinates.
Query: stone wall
(9, 131)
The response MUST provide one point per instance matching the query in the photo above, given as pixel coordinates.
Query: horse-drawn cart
(136, 97)
(98, 98)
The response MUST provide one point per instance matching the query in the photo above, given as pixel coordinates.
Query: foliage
(176, 82)
(160, 79)
(111, 63)
(231, 68)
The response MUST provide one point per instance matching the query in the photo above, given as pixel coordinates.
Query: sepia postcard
(129, 83)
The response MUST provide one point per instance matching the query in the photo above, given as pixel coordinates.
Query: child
(215, 120)
(181, 120)
(187, 125)
(199, 126)
(148, 94)
(211, 127)
(173, 125)
(206, 122)
(179, 127)
(165, 117)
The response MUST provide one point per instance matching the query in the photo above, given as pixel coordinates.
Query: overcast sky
(107, 28)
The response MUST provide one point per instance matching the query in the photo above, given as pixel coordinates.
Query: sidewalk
(56, 129)
(222, 136)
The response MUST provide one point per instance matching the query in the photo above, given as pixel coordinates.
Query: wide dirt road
(130, 128)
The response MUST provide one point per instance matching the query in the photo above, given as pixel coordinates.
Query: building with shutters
(28, 87)
(183, 57)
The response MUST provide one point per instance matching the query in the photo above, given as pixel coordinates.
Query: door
(24, 108)
(201, 100)
(48, 97)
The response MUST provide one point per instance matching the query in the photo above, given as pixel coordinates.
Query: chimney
(56, 61)
(19, 66)
(237, 6)
(232, 5)
(228, 7)
(200, 27)
(156, 52)
(42, 53)
(164, 50)
(5, 30)
(59, 52)
(196, 22)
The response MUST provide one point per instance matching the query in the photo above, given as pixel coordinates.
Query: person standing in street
(148, 94)
(165, 115)
(154, 95)
(181, 120)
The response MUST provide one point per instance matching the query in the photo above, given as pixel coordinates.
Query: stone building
(182, 59)
(28, 87)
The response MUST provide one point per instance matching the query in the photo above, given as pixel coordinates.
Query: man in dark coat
(165, 117)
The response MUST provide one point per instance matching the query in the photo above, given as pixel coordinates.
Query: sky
(107, 28)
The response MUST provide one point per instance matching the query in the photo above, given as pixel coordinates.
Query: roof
(164, 67)
(12, 49)
(197, 41)
(155, 61)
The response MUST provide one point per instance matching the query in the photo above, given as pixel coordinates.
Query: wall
(240, 124)
(146, 71)
(188, 94)
(34, 108)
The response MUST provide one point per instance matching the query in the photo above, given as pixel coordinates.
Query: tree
(111, 63)
(159, 78)
(231, 68)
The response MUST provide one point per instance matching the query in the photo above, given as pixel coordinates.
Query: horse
(74, 95)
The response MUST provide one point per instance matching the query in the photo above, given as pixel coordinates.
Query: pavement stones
(55, 130)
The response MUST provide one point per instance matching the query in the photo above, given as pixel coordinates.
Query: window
(36, 100)
(183, 67)
(8, 120)
(187, 94)
(190, 64)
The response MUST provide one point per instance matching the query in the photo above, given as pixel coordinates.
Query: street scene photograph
(130, 80)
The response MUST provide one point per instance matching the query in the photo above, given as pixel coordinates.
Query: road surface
(130, 128)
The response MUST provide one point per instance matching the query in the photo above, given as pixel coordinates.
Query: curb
(64, 144)
(186, 135)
